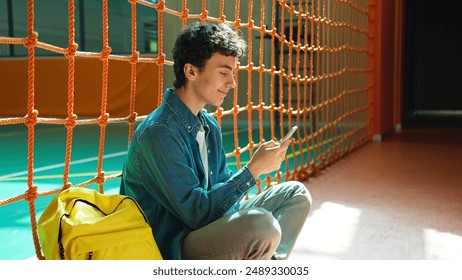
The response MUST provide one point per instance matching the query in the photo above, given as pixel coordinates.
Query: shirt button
(211, 172)
(208, 151)
(189, 127)
(248, 183)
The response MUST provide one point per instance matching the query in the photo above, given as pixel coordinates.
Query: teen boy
(176, 167)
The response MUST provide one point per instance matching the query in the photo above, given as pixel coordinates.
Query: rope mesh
(315, 77)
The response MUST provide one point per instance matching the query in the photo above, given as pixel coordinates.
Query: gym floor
(395, 199)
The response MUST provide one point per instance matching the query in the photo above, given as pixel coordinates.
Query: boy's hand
(267, 158)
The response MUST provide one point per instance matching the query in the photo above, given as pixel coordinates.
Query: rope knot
(261, 107)
(302, 175)
(237, 24)
(31, 118)
(261, 69)
(135, 57)
(273, 31)
(273, 69)
(132, 118)
(185, 15)
(251, 24)
(161, 59)
(31, 193)
(100, 178)
(204, 15)
(236, 110)
(71, 121)
(71, 50)
(219, 112)
(105, 53)
(161, 6)
(103, 120)
(281, 107)
(250, 106)
(31, 40)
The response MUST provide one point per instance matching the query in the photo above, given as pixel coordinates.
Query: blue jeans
(265, 226)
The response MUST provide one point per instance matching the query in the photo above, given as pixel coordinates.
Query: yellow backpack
(82, 224)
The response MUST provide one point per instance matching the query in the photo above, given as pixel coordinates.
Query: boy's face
(213, 81)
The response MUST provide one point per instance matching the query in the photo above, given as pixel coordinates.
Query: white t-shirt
(203, 148)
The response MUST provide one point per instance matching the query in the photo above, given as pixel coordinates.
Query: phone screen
(288, 135)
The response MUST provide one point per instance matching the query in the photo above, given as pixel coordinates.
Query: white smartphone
(288, 135)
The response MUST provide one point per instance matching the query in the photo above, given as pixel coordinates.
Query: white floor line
(53, 166)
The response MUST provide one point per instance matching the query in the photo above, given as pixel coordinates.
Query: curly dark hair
(198, 42)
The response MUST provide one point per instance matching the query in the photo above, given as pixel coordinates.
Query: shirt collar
(191, 122)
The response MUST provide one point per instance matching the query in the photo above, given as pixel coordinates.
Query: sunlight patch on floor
(328, 232)
(442, 245)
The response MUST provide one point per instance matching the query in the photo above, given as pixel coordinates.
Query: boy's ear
(190, 71)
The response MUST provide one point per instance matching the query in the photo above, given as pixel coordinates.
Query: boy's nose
(232, 82)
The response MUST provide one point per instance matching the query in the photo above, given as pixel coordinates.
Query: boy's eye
(225, 74)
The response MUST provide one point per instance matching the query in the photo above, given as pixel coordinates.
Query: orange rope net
(316, 77)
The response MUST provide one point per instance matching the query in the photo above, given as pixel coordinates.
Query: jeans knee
(260, 222)
(301, 194)
(263, 234)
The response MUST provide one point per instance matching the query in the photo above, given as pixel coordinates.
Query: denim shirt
(163, 171)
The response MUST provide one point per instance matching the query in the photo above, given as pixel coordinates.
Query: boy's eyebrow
(226, 66)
